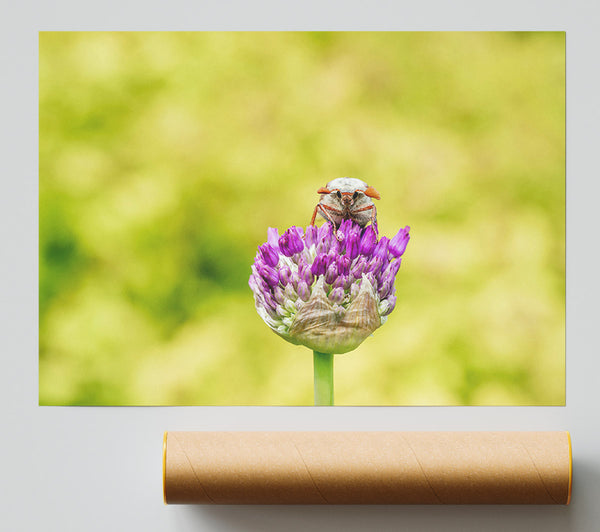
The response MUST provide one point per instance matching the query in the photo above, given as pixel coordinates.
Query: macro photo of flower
(327, 289)
(226, 216)
(324, 293)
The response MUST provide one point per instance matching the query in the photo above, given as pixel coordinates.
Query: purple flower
(319, 266)
(291, 241)
(367, 242)
(269, 275)
(331, 273)
(399, 242)
(325, 291)
(269, 255)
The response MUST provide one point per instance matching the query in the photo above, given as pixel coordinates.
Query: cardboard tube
(367, 467)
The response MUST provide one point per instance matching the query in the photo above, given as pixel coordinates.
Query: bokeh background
(164, 158)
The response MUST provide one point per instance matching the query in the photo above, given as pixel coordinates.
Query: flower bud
(319, 327)
(318, 266)
(285, 274)
(387, 305)
(352, 246)
(303, 291)
(368, 241)
(273, 238)
(336, 295)
(268, 255)
(399, 242)
(268, 274)
(323, 290)
(290, 242)
(311, 236)
(331, 273)
(343, 264)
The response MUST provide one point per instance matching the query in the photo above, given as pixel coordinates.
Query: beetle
(347, 198)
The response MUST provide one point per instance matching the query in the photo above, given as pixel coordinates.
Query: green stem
(323, 363)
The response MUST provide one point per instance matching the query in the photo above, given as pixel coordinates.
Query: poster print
(179, 175)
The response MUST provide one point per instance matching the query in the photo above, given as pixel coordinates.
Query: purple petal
(303, 291)
(331, 273)
(295, 279)
(271, 311)
(336, 295)
(290, 295)
(399, 242)
(307, 275)
(388, 305)
(352, 246)
(278, 294)
(299, 241)
(355, 232)
(322, 247)
(269, 301)
(368, 241)
(325, 238)
(374, 265)
(319, 266)
(345, 227)
(358, 267)
(284, 275)
(381, 249)
(348, 280)
(343, 264)
(392, 269)
(301, 262)
(268, 255)
(257, 283)
(291, 242)
(252, 283)
(372, 280)
(340, 282)
(325, 232)
(268, 274)
(273, 237)
(386, 288)
(337, 242)
(331, 258)
(311, 235)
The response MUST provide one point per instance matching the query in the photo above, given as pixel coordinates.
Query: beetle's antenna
(372, 193)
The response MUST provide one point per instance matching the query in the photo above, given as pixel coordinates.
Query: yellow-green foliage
(164, 157)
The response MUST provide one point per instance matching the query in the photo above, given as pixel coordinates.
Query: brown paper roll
(367, 467)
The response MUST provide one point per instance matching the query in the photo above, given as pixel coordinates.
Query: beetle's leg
(324, 209)
(332, 209)
(353, 213)
(325, 213)
(374, 220)
(363, 209)
(314, 216)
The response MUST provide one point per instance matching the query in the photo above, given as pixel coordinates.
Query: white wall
(96, 469)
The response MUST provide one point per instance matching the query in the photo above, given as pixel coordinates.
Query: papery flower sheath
(323, 290)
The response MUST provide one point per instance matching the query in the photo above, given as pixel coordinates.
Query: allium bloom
(323, 290)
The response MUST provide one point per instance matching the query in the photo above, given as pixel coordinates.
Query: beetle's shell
(349, 185)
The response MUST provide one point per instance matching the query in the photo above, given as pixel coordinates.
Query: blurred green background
(164, 158)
